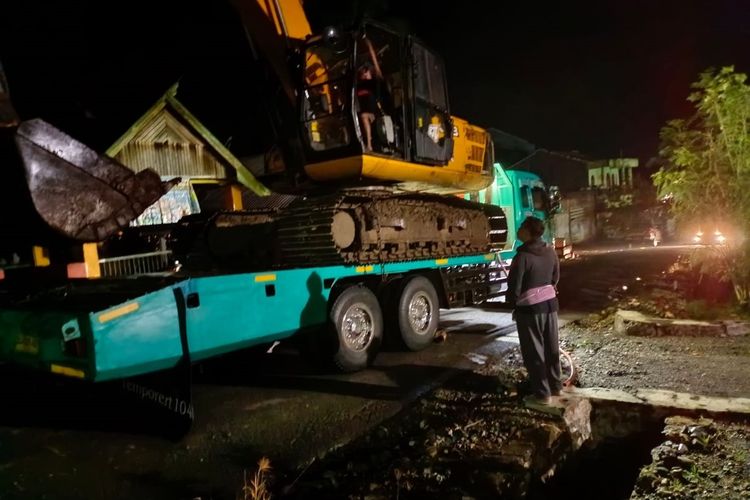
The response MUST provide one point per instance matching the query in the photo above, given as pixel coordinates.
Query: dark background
(597, 77)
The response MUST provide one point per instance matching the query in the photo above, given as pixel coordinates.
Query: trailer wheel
(357, 321)
(418, 313)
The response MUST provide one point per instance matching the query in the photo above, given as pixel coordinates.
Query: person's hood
(536, 247)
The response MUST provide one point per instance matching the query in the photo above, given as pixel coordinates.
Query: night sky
(600, 77)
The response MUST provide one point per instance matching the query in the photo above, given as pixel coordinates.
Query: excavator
(362, 165)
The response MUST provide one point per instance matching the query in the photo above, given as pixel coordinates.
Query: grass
(257, 488)
(692, 475)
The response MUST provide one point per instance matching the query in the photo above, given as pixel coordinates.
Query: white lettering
(180, 406)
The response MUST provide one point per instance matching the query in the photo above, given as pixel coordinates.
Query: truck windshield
(326, 96)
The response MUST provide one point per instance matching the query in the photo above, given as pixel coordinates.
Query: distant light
(625, 287)
(638, 278)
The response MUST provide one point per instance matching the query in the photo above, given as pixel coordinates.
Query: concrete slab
(604, 394)
(686, 401)
(636, 323)
(678, 401)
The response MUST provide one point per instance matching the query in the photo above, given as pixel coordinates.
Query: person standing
(532, 292)
(369, 77)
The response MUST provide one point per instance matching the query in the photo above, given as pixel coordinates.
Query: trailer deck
(102, 330)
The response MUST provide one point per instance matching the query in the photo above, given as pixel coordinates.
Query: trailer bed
(106, 330)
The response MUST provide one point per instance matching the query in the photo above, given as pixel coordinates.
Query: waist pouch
(536, 295)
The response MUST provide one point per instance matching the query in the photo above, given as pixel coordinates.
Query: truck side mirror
(554, 199)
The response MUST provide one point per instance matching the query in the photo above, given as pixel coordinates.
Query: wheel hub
(357, 327)
(420, 313)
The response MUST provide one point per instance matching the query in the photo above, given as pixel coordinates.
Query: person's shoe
(566, 389)
(545, 405)
(535, 402)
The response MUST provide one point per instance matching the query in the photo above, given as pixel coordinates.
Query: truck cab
(520, 194)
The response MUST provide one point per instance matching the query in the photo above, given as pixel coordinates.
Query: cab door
(432, 126)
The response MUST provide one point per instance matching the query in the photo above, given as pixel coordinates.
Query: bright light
(625, 287)
(697, 238)
(721, 238)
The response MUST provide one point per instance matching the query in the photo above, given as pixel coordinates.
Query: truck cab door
(433, 129)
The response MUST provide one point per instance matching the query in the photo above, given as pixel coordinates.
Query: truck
(322, 240)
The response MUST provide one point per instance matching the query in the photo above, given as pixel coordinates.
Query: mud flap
(166, 397)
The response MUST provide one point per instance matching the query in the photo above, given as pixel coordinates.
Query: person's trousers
(541, 352)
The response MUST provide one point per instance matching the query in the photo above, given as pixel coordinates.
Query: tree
(707, 169)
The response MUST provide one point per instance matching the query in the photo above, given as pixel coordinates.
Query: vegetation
(707, 172)
(257, 488)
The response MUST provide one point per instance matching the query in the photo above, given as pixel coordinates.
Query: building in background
(611, 173)
(576, 222)
(172, 141)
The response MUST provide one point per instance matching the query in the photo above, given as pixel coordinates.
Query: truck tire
(418, 313)
(356, 320)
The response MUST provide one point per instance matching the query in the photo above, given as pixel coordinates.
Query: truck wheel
(357, 321)
(418, 313)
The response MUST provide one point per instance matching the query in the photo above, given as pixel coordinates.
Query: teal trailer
(101, 331)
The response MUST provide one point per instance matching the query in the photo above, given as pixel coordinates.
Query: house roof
(169, 102)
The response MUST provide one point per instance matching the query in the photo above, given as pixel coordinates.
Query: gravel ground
(709, 366)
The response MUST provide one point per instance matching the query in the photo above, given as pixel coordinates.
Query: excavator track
(369, 228)
(348, 228)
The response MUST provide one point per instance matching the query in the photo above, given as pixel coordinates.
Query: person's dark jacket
(535, 264)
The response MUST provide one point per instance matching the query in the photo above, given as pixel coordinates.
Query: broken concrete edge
(669, 400)
(636, 323)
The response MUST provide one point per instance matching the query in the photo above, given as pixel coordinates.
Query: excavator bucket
(79, 193)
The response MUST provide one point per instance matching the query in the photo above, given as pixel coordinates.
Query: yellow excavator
(365, 147)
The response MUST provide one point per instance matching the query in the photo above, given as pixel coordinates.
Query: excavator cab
(374, 104)
(374, 71)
